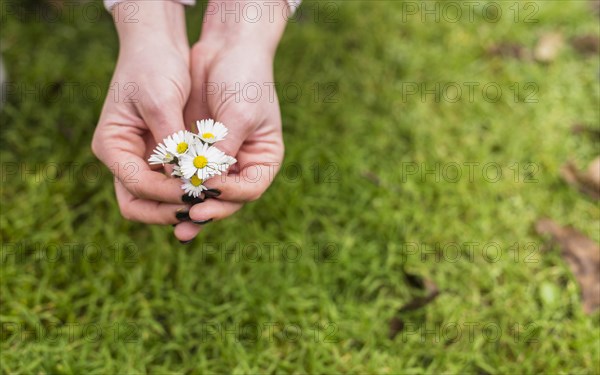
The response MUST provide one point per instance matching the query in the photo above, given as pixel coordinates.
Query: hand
(232, 82)
(148, 92)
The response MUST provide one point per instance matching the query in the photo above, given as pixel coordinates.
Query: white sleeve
(109, 4)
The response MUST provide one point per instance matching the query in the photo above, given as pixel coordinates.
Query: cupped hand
(145, 103)
(234, 84)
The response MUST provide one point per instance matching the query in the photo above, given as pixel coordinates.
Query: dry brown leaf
(372, 177)
(506, 49)
(548, 47)
(583, 257)
(586, 44)
(587, 130)
(432, 291)
(593, 173)
(396, 326)
(587, 182)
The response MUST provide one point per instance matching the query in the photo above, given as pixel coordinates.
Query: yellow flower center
(208, 135)
(200, 162)
(196, 181)
(182, 147)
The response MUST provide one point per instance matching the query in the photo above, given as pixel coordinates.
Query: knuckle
(203, 51)
(242, 114)
(169, 97)
(255, 195)
(153, 108)
(233, 110)
(127, 212)
(173, 94)
(162, 109)
(135, 189)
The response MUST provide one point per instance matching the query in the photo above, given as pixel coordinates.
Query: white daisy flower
(228, 161)
(210, 131)
(179, 143)
(176, 171)
(203, 161)
(193, 186)
(161, 155)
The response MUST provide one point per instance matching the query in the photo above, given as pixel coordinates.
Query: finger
(163, 116)
(246, 186)
(186, 232)
(197, 105)
(135, 175)
(152, 185)
(120, 148)
(213, 210)
(238, 119)
(256, 127)
(203, 214)
(145, 211)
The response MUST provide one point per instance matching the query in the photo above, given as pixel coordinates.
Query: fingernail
(212, 193)
(191, 200)
(182, 215)
(202, 222)
(186, 242)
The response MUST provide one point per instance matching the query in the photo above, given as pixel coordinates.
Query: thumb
(197, 107)
(163, 119)
(240, 121)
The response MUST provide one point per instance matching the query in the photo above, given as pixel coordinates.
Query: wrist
(259, 24)
(153, 22)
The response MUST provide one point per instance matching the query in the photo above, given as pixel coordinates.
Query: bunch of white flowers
(194, 156)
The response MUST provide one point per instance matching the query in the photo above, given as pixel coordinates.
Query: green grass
(160, 307)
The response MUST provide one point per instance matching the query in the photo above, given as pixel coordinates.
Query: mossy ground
(322, 259)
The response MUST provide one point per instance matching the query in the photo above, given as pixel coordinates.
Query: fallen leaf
(586, 129)
(506, 49)
(588, 45)
(548, 47)
(593, 173)
(418, 302)
(371, 177)
(583, 257)
(431, 293)
(587, 182)
(396, 326)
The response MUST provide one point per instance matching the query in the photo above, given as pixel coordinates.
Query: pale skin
(176, 86)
